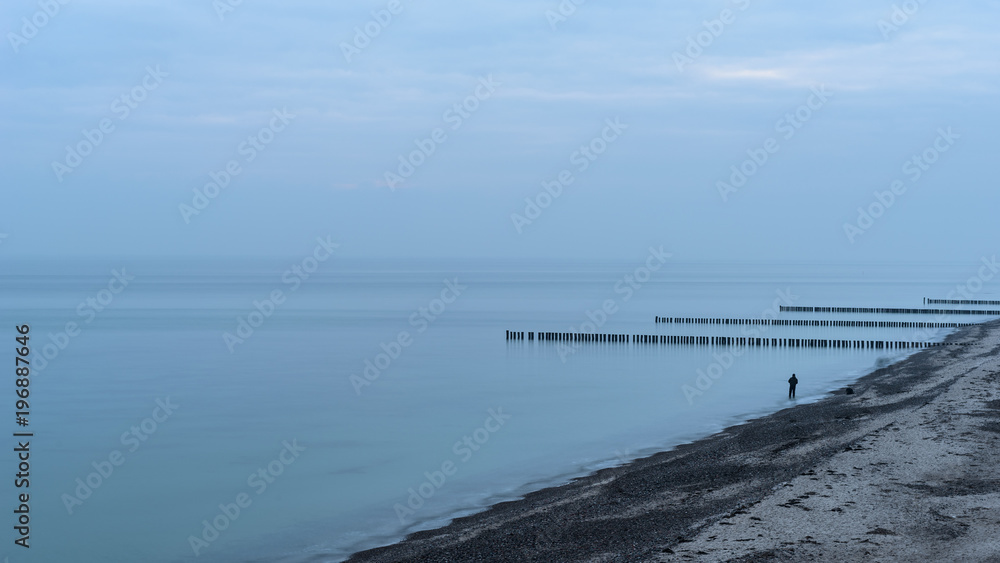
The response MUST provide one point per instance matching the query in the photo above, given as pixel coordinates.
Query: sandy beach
(904, 469)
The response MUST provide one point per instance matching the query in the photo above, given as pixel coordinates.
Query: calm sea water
(327, 461)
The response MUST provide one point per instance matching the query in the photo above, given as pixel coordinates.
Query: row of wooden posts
(722, 340)
(805, 322)
(929, 301)
(882, 310)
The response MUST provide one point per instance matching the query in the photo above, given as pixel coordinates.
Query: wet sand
(905, 469)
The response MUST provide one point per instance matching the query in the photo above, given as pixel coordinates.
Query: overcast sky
(501, 97)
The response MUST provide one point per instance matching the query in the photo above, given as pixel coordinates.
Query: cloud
(924, 62)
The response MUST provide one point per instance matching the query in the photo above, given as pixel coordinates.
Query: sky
(738, 130)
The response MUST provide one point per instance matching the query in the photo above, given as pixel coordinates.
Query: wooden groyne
(806, 322)
(723, 340)
(887, 311)
(929, 301)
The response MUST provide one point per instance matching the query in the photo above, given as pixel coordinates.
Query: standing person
(792, 382)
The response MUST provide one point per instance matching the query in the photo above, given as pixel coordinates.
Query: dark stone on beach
(849, 391)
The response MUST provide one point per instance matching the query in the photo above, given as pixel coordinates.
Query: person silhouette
(792, 382)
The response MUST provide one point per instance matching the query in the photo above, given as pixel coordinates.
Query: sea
(302, 409)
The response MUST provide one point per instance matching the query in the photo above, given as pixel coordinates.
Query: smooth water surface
(367, 447)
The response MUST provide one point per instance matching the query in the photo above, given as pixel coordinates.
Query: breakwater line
(721, 340)
(807, 322)
(929, 301)
(887, 311)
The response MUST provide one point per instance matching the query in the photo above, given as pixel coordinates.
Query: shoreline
(690, 503)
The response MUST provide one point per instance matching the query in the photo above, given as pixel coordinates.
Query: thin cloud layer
(700, 85)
